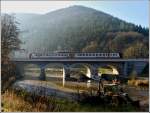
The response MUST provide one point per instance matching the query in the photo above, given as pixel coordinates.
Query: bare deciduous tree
(9, 42)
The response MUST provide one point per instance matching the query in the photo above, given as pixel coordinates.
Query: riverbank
(13, 101)
(61, 98)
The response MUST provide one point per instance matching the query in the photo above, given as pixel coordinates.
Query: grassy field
(21, 101)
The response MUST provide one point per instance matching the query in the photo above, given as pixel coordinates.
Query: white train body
(74, 55)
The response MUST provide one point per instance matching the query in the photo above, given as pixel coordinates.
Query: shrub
(141, 83)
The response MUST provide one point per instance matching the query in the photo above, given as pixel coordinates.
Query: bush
(141, 83)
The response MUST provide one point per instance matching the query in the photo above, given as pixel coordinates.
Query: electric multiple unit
(73, 55)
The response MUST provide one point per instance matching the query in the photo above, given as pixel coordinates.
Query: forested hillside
(79, 28)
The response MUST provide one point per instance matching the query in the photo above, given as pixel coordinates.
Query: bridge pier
(94, 72)
(125, 69)
(64, 76)
(42, 74)
(20, 70)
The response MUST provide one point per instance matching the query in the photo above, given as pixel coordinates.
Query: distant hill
(79, 28)
(24, 18)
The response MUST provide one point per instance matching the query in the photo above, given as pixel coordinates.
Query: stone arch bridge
(123, 66)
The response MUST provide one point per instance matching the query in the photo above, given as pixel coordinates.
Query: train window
(96, 54)
(111, 55)
(103, 54)
(106, 54)
(114, 54)
(99, 54)
(93, 54)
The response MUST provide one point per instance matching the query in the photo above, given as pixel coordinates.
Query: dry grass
(141, 83)
(25, 102)
(12, 102)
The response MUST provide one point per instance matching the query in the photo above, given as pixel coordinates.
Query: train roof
(85, 52)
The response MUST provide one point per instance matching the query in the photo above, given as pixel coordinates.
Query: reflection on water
(56, 76)
(88, 83)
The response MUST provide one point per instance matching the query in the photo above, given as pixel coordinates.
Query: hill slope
(80, 28)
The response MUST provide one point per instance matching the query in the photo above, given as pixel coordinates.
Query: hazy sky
(135, 11)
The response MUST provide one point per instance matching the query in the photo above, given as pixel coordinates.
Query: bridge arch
(87, 68)
(108, 69)
(54, 71)
(31, 71)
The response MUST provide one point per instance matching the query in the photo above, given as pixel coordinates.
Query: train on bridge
(74, 55)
